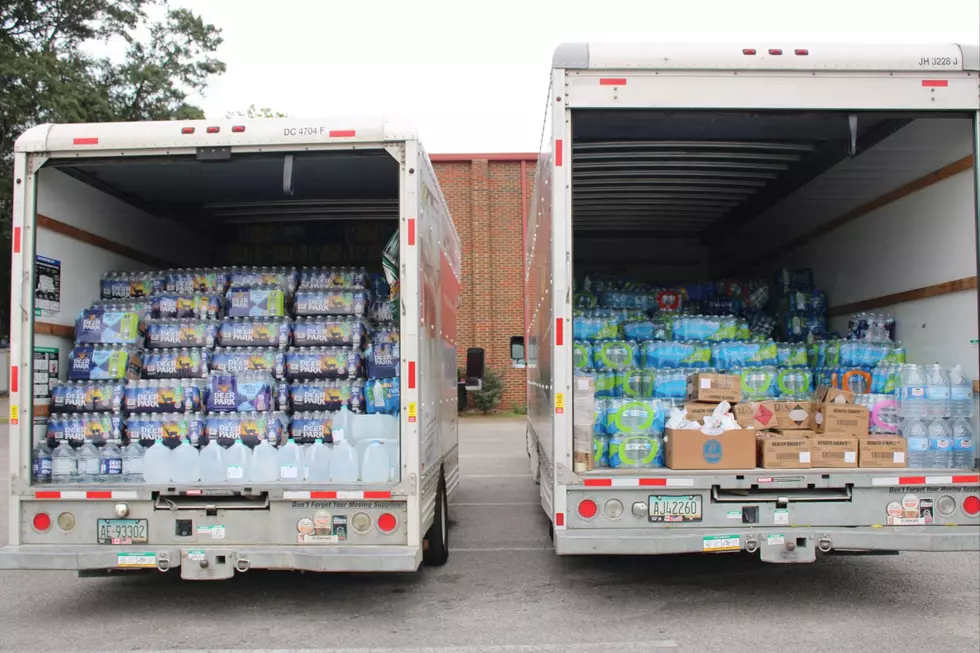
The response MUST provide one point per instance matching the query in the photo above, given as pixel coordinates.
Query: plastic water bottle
(185, 463)
(88, 462)
(344, 466)
(133, 459)
(912, 391)
(937, 391)
(376, 467)
(64, 463)
(960, 393)
(157, 463)
(41, 464)
(237, 458)
(962, 444)
(318, 462)
(916, 436)
(110, 462)
(265, 463)
(940, 445)
(213, 463)
(290, 462)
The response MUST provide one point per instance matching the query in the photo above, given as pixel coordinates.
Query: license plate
(675, 508)
(122, 531)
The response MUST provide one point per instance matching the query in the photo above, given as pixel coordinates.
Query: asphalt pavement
(505, 591)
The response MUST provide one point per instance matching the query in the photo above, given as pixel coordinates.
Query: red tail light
(775, 51)
(801, 52)
(587, 509)
(971, 505)
(748, 51)
(187, 130)
(214, 130)
(42, 522)
(387, 522)
(238, 129)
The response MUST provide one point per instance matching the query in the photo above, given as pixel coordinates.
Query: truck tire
(435, 548)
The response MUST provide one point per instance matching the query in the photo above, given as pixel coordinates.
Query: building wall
(485, 194)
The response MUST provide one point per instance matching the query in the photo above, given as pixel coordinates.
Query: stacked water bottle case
(640, 344)
(202, 375)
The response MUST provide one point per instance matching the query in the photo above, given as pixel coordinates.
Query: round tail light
(587, 509)
(387, 522)
(971, 505)
(42, 522)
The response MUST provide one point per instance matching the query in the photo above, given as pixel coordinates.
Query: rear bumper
(212, 563)
(770, 542)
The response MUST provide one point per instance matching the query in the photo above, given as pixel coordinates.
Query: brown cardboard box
(696, 412)
(799, 433)
(825, 395)
(583, 459)
(885, 452)
(782, 451)
(714, 388)
(756, 415)
(692, 449)
(842, 419)
(583, 420)
(794, 415)
(831, 450)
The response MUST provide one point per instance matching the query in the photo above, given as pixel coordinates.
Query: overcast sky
(473, 76)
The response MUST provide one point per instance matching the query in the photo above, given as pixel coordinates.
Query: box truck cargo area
(712, 223)
(237, 326)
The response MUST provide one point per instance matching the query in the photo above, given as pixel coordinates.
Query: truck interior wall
(681, 259)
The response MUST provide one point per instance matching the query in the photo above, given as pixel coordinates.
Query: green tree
(47, 76)
(490, 392)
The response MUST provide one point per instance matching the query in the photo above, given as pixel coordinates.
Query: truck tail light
(801, 52)
(42, 522)
(387, 522)
(213, 130)
(613, 508)
(187, 130)
(587, 509)
(238, 129)
(971, 505)
(775, 52)
(748, 51)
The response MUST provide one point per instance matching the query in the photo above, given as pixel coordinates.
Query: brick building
(489, 196)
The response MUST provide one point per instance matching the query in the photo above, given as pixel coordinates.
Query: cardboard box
(756, 415)
(799, 433)
(583, 448)
(696, 412)
(831, 450)
(583, 421)
(794, 415)
(691, 449)
(714, 388)
(882, 453)
(825, 395)
(782, 451)
(842, 419)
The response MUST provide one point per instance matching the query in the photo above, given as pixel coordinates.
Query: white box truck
(677, 163)
(90, 199)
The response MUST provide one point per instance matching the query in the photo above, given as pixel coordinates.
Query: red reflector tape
(559, 331)
(911, 480)
(342, 133)
(558, 153)
(14, 378)
(656, 482)
(98, 495)
(975, 480)
(411, 232)
(411, 375)
(338, 494)
(935, 83)
(85, 141)
(612, 81)
(559, 519)
(377, 495)
(597, 482)
(47, 495)
(16, 240)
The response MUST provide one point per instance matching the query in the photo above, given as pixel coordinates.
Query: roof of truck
(211, 133)
(767, 56)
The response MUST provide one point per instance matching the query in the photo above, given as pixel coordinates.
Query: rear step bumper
(774, 544)
(211, 563)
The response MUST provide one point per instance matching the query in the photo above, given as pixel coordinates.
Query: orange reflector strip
(85, 141)
(612, 81)
(343, 133)
(935, 83)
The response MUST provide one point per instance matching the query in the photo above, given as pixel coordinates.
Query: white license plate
(675, 508)
(122, 531)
